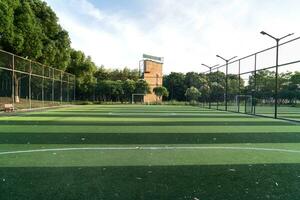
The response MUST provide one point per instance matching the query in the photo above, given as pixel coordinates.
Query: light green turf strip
(158, 155)
(135, 119)
(147, 129)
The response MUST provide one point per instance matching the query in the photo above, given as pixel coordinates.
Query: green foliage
(142, 87)
(120, 91)
(124, 74)
(193, 79)
(211, 86)
(129, 86)
(175, 84)
(83, 68)
(7, 22)
(30, 29)
(192, 94)
(102, 73)
(161, 92)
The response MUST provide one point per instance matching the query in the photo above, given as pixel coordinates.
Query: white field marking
(148, 148)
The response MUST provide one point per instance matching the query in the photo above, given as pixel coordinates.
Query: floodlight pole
(277, 63)
(210, 70)
(226, 79)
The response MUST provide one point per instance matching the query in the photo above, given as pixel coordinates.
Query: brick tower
(153, 76)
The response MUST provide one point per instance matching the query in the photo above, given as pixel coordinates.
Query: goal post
(246, 101)
(137, 97)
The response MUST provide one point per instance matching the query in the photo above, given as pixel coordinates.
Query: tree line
(199, 86)
(211, 87)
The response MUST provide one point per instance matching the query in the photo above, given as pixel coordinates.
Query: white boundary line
(148, 148)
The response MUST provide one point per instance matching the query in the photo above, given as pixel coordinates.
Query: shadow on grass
(147, 138)
(214, 182)
(142, 111)
(149, 123)
(144, 115)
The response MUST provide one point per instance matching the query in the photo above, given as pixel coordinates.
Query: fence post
(218, 97)
(209, 98)
(276, 79)
(61, 84)
(254, 91)
(13, 80)
(30, 72)
(68, 90)
(74, 83)
(43, 85)
(226, 86)
(53, 86)
(238, 101)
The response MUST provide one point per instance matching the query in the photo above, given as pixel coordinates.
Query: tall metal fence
(27, 84)
(257, 85)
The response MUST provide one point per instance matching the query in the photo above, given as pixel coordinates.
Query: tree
(175, 84)
(193, 79)
(205, 91)
(122, 75)
(30, 29)
(7, 23)
(265, 86)
(161, 92)
(217, 92)
(83, 68)
(56, 42)
(142, 87)
(192, 94)
(101, 74)
(295, 85)
(129, 87)
(103, 90)
(289, 88)
(117, 90)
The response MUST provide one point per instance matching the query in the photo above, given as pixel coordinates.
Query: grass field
(147, 152)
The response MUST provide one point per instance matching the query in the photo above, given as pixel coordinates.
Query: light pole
(95, 86)
(210, 69)
(276, 74)
(226, 78)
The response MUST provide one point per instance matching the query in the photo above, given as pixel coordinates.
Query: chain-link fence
(27, 84)
(258, 85)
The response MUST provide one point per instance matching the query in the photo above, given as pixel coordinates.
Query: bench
(8, 108)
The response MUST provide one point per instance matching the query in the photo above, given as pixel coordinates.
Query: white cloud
(186, 32)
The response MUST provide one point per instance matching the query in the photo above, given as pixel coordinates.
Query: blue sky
(186, 32)
(119, 5)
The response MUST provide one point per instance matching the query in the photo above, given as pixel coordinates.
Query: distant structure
(152, 72)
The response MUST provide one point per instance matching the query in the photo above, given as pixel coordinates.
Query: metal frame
(42, 75)
(255, 71)
(136, 94)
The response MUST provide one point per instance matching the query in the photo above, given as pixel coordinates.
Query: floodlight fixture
(226, 78)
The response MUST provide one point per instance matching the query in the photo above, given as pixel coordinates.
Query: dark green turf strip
(149, 123)
(199, 111)
(148, 138)
(146, 116)
(235, 182)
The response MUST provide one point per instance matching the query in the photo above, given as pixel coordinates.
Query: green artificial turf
(284, 112)
(147, 152)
